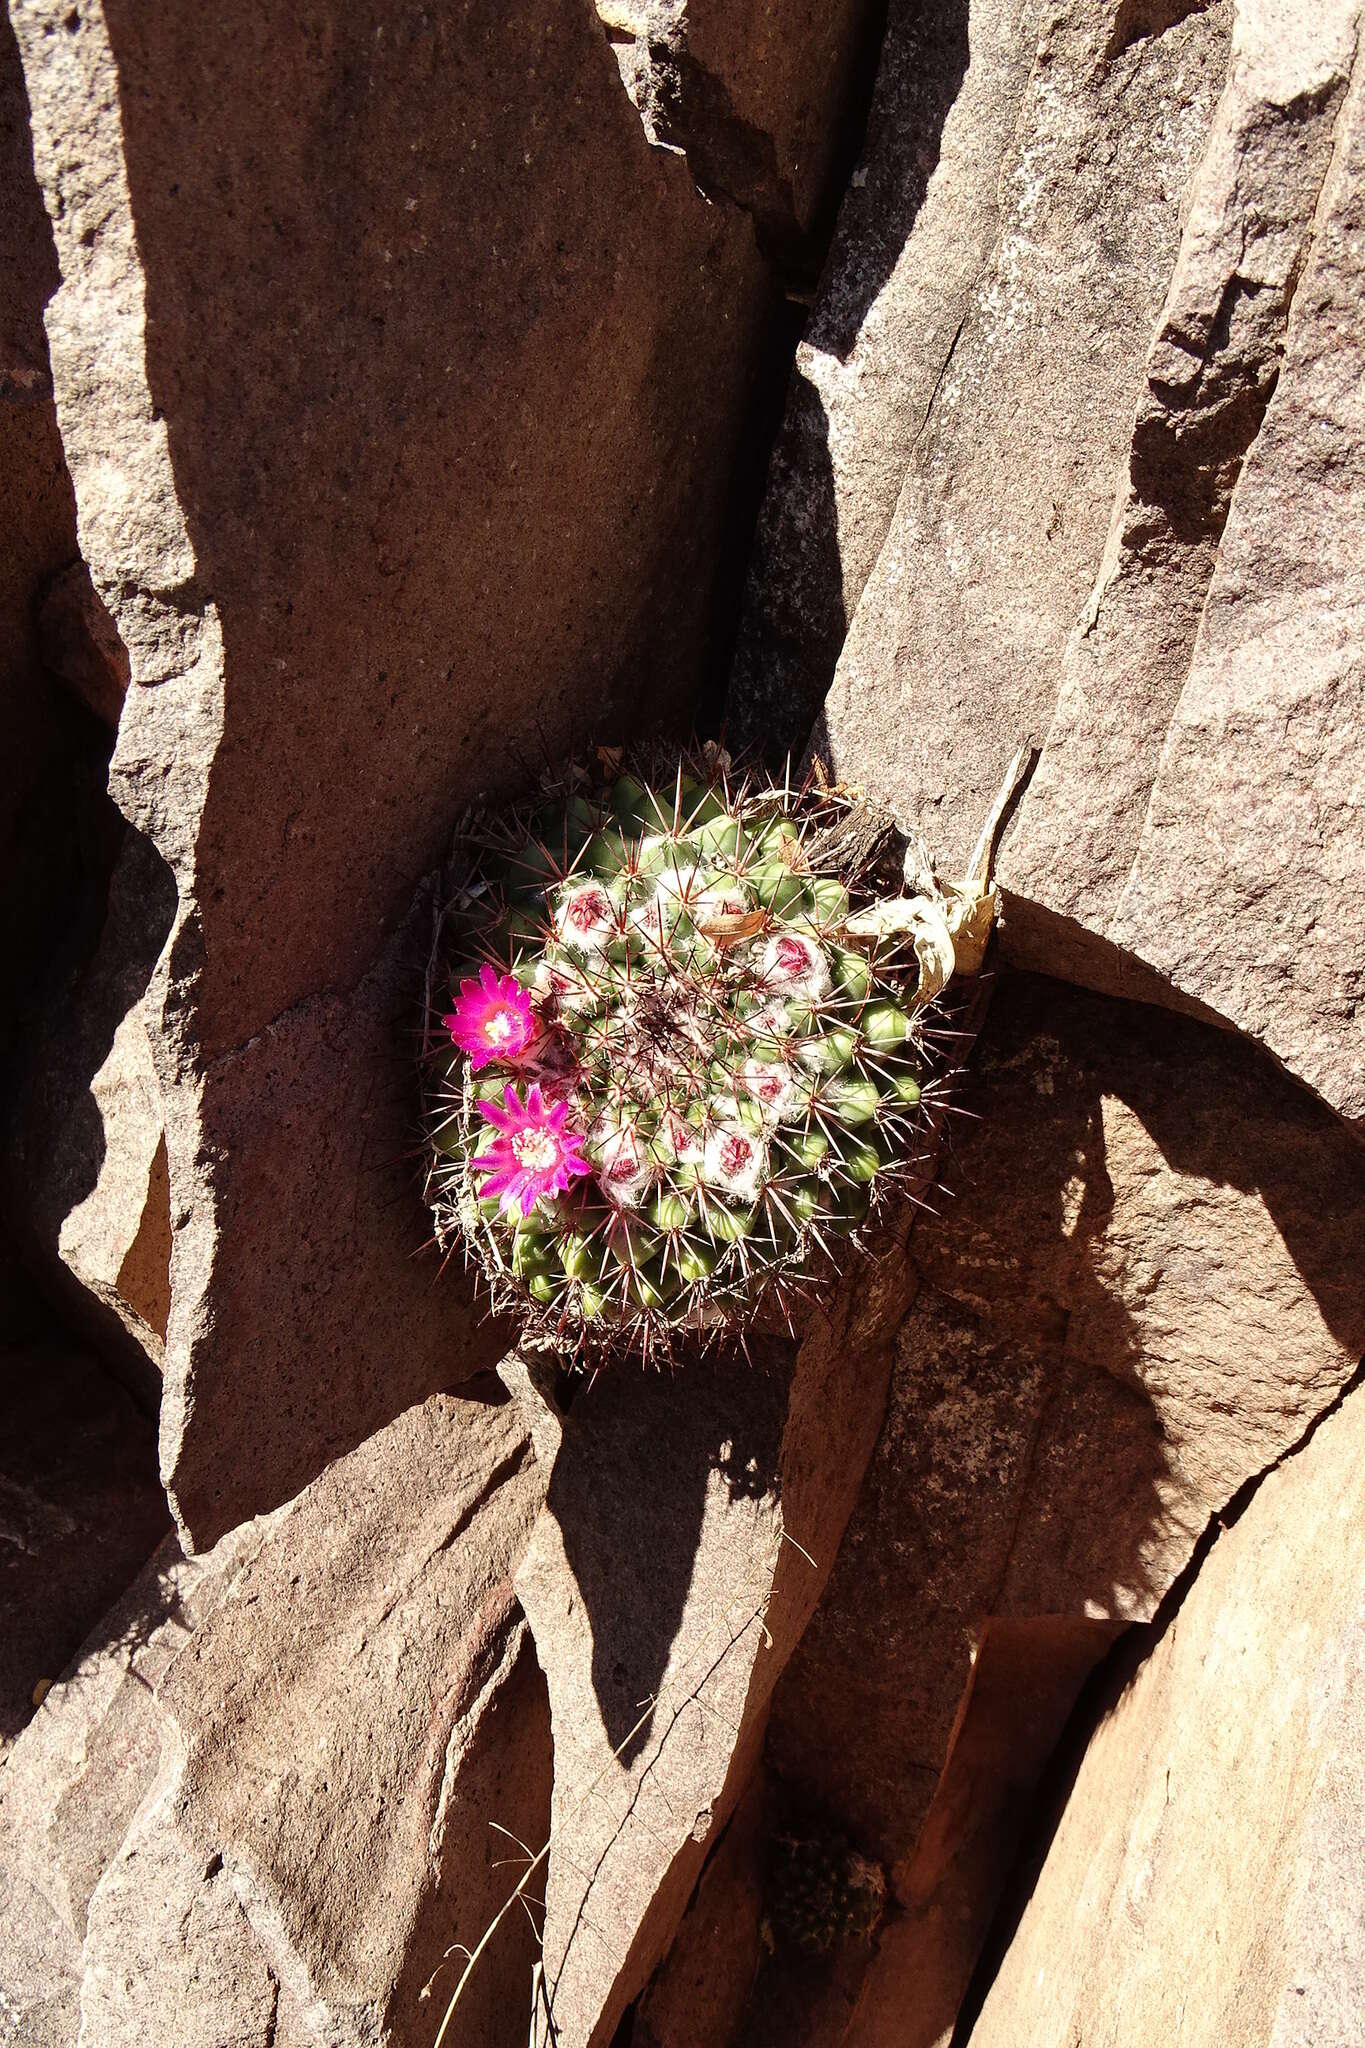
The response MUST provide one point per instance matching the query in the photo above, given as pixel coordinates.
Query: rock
(1246, 891)
(349, 1796)
(169, 1934)
(40, 1979)
(78, 1773)
(1136, 1300)
(384, 510)
(1152, 824)
(951, 661)
(754, 98)
(1204, 1880)
(80, 1511)
(914, 231)
(80, 643)
(688, 1529)
(268, 1795)
(699, 1996)
(91, 1150)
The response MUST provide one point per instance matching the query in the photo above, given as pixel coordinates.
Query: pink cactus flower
(492, 1020)
(533, 1155)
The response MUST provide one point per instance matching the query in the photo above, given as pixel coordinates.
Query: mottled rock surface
(265, 1798)
(951, 660)
(1204, 1882)
(688, 1529)
(754, 97)
(915, 229)
(427, 479)
(1135, 1298)
(1195, 808)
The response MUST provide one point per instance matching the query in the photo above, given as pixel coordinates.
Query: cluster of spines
(697, 967)
(821, 1891)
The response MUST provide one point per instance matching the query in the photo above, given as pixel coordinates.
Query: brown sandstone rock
(428, 477)
(951, 661)
(688, 1529)
(1204, 1881)
(265, 1799)
(1247, 891)
(1192, 807)
(753, 96)
(1138, 1295)
(915, 228)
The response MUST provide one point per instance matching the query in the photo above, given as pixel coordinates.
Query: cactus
(674, 1073)
(821, 1892)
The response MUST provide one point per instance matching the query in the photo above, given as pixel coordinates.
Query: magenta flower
(533, 1154)
(492, 1019)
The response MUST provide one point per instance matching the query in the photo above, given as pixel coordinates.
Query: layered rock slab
(951, 660)
(377, 512)
(1192, 832)
(915, 228)
(1136, 1297)
(688, 1529)
(1204, 1878)
(266, 1798)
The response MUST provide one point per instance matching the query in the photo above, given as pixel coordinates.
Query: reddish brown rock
(80, 1511)
(1191, 832)
(1204, 1880)
(755, 97)
(1135, 1298)
(688, 1529)
(380, 510)
(915, 228)
(951, 660)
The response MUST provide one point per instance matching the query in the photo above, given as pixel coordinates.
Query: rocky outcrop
(754, 98)
(80, 1509)
(1204, 1880)
(265, 1798)
(1133, 1302)
(1194, 807)
(326, 488)
(1005, 489)
(688, 1530)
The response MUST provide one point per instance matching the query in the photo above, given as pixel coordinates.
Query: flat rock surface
(1204, 1882)
(951, 659)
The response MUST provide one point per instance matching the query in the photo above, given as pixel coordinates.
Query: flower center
(501, 1026)
(536, 1149)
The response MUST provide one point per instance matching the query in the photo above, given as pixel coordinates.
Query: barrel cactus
(677, 1054)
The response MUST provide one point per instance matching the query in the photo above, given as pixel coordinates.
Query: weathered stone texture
(752, 95)
(951, 661)
(1135, 1298)
(687, 1532)
(1194, 810)
(1204, 1881)
(264, 1799)
(426, 478)
(915, 229)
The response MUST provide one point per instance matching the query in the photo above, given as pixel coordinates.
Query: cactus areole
(675, 1060)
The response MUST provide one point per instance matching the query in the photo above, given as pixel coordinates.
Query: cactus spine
(680, 1073)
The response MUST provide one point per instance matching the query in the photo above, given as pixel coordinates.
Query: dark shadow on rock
(57, 1147)
(644, 1457)
(81, 1508)
(794, 617)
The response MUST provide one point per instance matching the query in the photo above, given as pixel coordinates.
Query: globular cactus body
(679, 1073)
